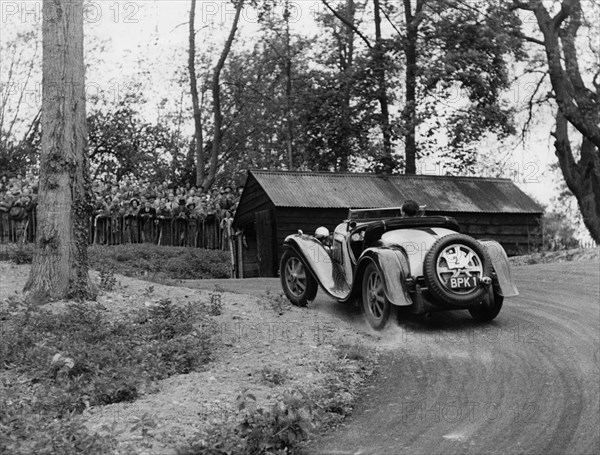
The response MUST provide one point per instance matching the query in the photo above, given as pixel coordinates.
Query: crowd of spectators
(132, 211)
(18, 199)
(159, 213)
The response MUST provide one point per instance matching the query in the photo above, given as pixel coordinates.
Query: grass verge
(296, 414)
(55, 365)
(142, 260)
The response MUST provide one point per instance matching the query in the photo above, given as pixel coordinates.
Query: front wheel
(297, 282)
(376, 305)
(488, 311)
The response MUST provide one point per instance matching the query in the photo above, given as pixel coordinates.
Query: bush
(171, 261)
(261, 431)
(79, 358)
(559, 233)
(138, 260)
(19, 253)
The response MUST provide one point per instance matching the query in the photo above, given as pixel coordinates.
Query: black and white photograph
(299, 227)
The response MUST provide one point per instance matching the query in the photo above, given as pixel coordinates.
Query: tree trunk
(60, 264)
(347, 66)
(409, 113)
(288, 90)
(379, 64)
(576, 105)
(583, 177)
(198, 138)
(216, 92)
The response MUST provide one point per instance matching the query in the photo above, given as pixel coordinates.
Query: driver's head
(410, 208)
(322, 233)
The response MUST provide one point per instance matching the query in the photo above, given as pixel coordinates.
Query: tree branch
(390, 22)
(348, 24)
(531, 103)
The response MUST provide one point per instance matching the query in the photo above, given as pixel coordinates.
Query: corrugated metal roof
(350, 190)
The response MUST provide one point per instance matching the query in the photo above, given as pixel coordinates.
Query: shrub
(354, 352)
(79, 357)
(559, 233)
(107, 278)
(21, 253)
(261, 431)
(172, 262)
(142, 260)
(273, 376)
(279, 303)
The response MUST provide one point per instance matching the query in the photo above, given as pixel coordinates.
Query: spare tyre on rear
(453, 269)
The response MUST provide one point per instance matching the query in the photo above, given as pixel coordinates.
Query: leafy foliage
(278, 303)
(107, 279)
(15, 157)
(122, 144)
(261, 431)
(559, 233)
(79, 357)
(464, 69)
(142, 260)
(170, 262)
(294, 415)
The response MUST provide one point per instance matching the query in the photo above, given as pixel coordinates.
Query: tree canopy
(374, 86)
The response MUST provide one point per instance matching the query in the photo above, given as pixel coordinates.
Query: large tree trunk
(288, 90)
(387, 163)
(583, 177)
(347, 67)
(198, 137)
(60, 263)
(409, 113)
(577, 105)
(216, 92)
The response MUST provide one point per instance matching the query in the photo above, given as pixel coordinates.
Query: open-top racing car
(421, 263)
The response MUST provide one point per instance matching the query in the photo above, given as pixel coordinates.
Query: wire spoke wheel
(295, 276)
(376, 305)
(297, 282)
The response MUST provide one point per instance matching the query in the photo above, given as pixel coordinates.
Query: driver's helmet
(322, 233)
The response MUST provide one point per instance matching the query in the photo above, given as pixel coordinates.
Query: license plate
(462, 282)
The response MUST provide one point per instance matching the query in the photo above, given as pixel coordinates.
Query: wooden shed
(275, 204)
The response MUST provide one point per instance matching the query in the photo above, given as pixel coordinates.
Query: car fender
(506, 286)
(328, 273)
(395, 269)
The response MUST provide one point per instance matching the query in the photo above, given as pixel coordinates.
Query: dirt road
(527, 383)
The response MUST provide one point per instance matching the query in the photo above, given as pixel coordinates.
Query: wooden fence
(118, 230)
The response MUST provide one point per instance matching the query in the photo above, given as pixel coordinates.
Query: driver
(409, 209)
(322, 235)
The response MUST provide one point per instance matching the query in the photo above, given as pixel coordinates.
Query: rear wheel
(376, 305)
(298, 283)
(488, 310)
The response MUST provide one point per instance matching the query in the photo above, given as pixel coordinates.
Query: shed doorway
(265, 243)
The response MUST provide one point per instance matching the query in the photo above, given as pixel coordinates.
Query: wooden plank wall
(518, 233)
(253, 200)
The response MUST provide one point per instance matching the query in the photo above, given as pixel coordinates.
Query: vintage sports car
(422, 263)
